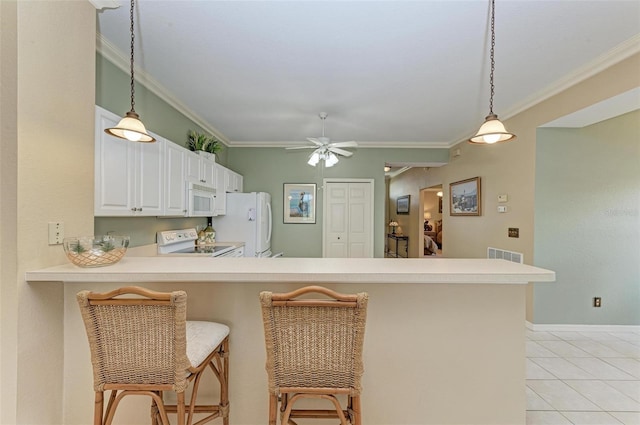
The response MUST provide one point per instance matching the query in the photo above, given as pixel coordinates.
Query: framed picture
(465, 197)
(299, 203)
(402, 204)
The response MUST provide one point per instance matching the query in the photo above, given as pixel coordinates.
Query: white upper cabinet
(233, 181)
(128, 175)
(150, 179)
(175, 189)
(220, 207)
(200, 169)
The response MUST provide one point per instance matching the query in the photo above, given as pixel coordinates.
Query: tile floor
(583, 378)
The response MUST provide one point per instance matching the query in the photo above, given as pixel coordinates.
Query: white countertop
(132, 269)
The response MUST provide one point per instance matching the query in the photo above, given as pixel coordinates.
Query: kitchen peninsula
(444, 344)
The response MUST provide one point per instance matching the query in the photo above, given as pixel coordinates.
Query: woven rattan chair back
(314, 350)
(137, 340)
(138, 344)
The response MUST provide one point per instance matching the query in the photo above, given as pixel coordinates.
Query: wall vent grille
(516, 257)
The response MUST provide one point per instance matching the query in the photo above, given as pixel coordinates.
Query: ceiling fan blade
(350, 144)
(302, 147)
(314, 140)
(340, 151)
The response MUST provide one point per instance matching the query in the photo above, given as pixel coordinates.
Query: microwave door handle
(270, 221)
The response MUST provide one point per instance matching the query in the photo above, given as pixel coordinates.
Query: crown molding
(113, 55)
(379, 145)
(619, 53)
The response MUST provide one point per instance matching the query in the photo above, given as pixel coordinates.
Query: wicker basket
(95, 251)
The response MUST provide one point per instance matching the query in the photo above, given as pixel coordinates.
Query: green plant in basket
(107, 245)
(78, 248)
(201, 142)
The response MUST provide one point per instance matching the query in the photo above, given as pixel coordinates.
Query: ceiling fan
(326, 150)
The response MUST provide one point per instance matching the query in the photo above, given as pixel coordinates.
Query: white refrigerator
(249, 220)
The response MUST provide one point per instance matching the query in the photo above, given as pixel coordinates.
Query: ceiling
(388, 73)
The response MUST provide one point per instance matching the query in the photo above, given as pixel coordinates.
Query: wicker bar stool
(142, 344)
(314, 350)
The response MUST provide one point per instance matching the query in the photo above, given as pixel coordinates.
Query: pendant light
(492, 131)
(130, 127)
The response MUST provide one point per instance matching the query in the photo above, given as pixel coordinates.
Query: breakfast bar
(444, 340)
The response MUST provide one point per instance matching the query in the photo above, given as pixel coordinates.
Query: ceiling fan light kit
(492, 130)
(325, 150)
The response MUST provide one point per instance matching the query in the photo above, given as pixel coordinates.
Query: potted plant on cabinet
(203, 144)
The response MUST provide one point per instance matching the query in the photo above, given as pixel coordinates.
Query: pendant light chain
(493, 63)
(132, 79)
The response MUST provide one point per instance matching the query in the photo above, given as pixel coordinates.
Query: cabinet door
(233, 181)
(193, 164)
(114, 169)
(221, 196)
(208, 172)
(174, 184)
(149, 177)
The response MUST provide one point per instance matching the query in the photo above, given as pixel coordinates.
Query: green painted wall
(267, 169)
(587, 222)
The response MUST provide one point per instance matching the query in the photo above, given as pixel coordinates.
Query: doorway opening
(431, 229)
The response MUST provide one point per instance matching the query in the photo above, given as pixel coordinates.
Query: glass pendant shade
(492, 131)
(131, 128)
(314, 159)
(330, 160)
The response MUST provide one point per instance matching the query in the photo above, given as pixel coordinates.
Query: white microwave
(201, 200)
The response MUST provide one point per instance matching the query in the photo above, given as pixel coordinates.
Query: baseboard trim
(582, 328)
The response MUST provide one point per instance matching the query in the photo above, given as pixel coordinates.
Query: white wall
(588, 222)
(46, 163)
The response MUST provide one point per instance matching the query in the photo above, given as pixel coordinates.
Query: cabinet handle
(136, 209)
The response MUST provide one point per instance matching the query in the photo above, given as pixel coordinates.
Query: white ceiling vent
(516, 257)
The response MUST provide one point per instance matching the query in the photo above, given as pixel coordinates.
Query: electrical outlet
(514, 232)
(56, 233)
(597, 302)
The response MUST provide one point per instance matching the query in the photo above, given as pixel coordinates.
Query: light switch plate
(56, 233)
(503, 198)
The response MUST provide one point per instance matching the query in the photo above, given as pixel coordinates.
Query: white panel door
(335, 221)
(348, 219)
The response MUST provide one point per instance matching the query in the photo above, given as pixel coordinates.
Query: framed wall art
(299, 203)
(402, 204)
(465, 197)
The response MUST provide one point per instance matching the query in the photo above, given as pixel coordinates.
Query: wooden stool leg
(224, 388)
(357, 412)
(273, 409)
(181, 408)
(98, 408)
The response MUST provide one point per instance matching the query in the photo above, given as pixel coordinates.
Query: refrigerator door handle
(270, 221)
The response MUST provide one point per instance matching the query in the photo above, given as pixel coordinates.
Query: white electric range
(183, 242)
